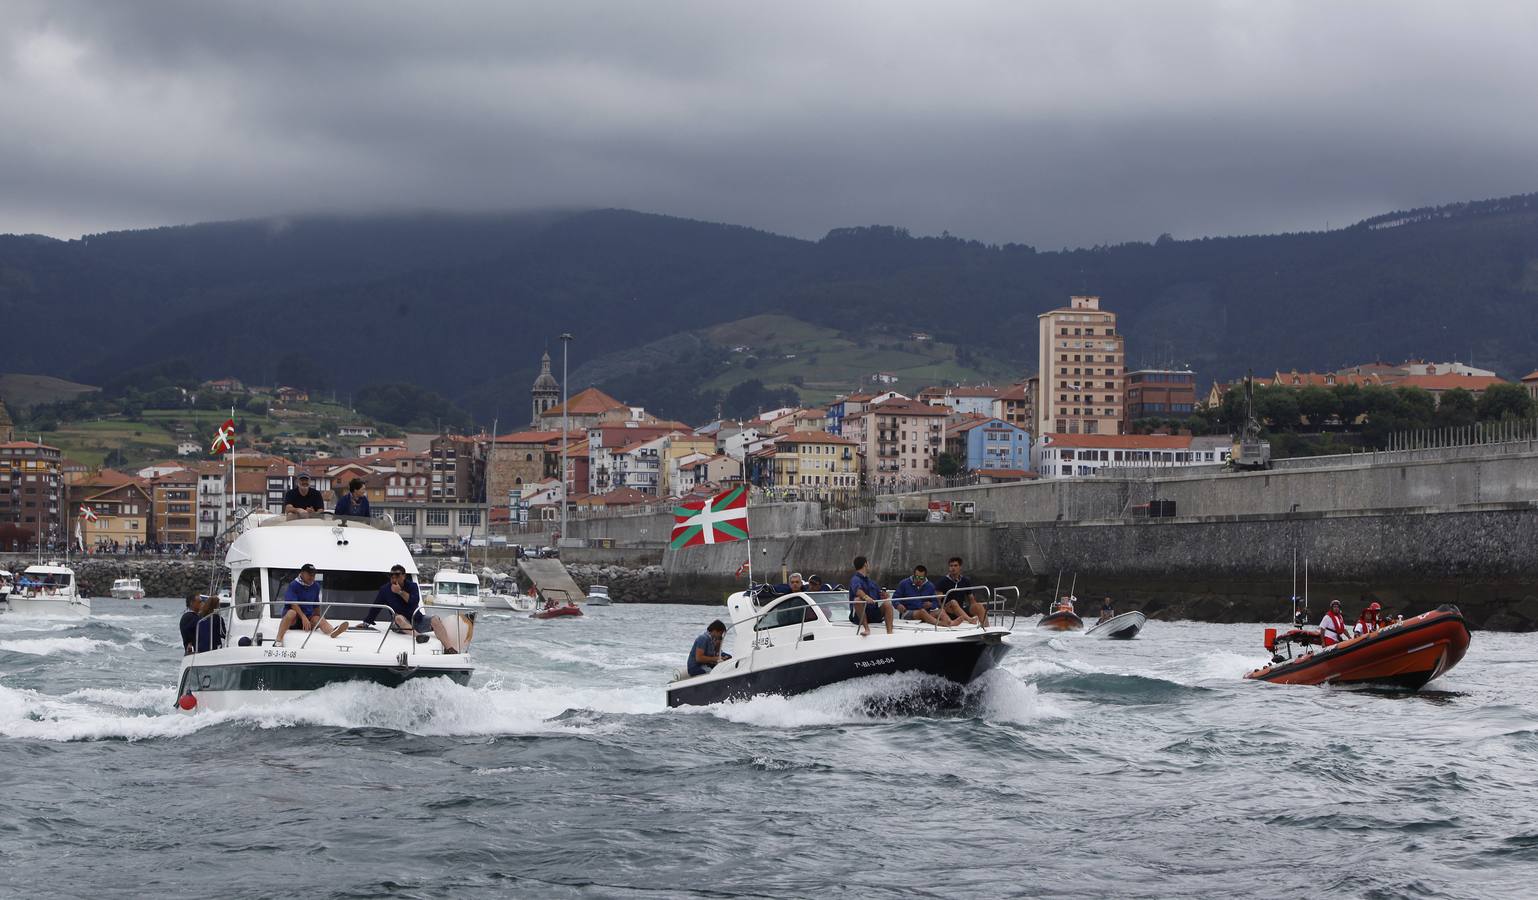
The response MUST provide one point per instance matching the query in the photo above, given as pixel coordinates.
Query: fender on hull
(958, 661)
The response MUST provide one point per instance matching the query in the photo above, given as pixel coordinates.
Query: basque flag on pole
(718, 520)
(88, 513)
(224, 441)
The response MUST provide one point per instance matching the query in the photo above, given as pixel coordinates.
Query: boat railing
(386, 628)
(836, 607)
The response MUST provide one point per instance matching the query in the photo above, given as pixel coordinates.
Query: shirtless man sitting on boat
(303, 598)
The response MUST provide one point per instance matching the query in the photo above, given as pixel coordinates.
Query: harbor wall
(1217, 569)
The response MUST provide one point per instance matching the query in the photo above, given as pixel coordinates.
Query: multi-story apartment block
(174, 496)
(1160, 394)
(814, 465)
(31, 494)
(990, 444)
(900, 440)
(1017, 404)
(1081, 364)
(458, 469)
(213, 502)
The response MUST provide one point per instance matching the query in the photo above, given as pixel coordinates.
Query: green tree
(1278, 406)
(1416, 406)
(949, 465)
(1352, 403)
(1456, 409)
(1505, 401)
(257, 405)
(1318, 404)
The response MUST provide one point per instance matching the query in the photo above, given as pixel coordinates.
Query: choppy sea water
(1082, 769)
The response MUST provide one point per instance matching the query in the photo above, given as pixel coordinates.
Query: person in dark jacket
(201, 631)
(354, 502)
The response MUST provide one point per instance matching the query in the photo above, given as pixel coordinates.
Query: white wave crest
(51, 646)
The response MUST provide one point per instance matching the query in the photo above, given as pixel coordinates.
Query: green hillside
(21, 392)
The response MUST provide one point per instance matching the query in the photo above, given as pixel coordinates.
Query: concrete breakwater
(160, 577)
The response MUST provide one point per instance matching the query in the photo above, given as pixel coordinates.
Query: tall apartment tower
(546, 391)
(1082, 365)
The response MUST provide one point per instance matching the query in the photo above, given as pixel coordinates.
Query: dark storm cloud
(1053, 124)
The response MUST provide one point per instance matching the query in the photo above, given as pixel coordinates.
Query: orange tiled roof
(1448, 382)
(590, 402)
(811, 437)
(530, 437)
(908, 408)
(1531, 376)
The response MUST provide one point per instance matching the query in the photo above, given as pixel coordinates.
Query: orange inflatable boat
(1404, 655)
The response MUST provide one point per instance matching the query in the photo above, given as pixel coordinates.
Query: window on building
(437, 516)
(469, 517)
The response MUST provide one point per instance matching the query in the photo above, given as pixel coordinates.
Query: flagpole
(230, 518)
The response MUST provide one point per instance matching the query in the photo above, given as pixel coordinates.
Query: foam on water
(51, 646)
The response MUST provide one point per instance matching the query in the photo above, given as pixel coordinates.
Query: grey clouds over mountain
(1045, 123)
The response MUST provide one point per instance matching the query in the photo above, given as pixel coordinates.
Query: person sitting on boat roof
(706, 653)
(865, 600)
(964, 606)
(1332, 627)
(303, 598)
(1107, 611)
(303, 501)
(354, 502)
(1368, 622)
(201, 631)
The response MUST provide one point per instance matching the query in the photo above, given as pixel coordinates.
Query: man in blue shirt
(353, 503)
(916, 598)
(404, 600)
(303, 598)
(963, 605)
(865, 601)
(706, 653)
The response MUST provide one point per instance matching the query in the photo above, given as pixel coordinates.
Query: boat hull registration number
(873, 663)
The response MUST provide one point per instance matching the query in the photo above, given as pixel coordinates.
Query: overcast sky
(1046, 123)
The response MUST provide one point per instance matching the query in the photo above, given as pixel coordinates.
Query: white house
(1066, 455)
(188, 448)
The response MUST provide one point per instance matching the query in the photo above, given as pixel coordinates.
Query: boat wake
(996, 696)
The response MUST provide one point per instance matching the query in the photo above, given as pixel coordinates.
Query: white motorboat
(1119, 628)
(353, 559)
(5, 587)
(598, 595)
(49, 589)
(127, 589)
(456, 590)
(794, 643)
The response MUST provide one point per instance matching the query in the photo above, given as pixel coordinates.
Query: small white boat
(598, 595)
(800, 642)
(456, 589)
(1119, 628)
(127, 589)
(5, 587)
(48, 590)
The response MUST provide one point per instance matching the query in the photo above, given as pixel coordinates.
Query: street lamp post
(565, 426)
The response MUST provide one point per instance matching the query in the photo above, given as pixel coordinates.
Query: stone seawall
(1228, 569)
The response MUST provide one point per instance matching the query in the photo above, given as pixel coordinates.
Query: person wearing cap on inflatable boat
(1332, 627)
(1368, 622)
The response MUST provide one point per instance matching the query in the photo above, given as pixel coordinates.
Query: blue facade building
(992, 444)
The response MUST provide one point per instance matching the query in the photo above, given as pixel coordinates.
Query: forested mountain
(464, 304)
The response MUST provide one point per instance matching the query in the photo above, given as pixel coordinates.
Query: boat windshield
(345, 595)
(456, 589)
(47, 580)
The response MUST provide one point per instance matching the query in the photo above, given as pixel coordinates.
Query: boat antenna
(1056, 592)
(1305, 589)
(1071, 585)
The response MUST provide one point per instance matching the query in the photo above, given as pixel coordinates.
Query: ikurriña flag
(224, 441)
(88, 513)
(720, 519)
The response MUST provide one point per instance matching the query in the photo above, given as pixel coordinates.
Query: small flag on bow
(224, 441)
